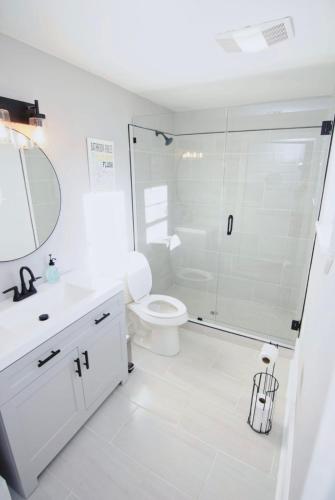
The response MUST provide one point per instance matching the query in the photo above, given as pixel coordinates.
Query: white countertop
(65, 301)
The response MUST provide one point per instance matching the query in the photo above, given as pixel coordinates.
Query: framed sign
(101, 164)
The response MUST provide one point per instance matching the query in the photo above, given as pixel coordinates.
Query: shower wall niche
(226, 212)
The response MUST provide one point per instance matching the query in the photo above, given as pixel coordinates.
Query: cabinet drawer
(105, 313)
(21, 373)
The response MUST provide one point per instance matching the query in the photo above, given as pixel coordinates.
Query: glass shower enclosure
(227, 221)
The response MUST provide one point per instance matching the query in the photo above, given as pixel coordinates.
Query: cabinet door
(42, 418)
(102, 359)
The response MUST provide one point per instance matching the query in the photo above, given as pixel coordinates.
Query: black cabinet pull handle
(86, 362)
(78, 370)
(42, 362)
(230, 225)
(104, 316)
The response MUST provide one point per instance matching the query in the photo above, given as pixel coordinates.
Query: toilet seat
(177, 316)
(176, 306)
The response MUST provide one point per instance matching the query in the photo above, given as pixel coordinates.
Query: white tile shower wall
(288, 202)
(77, 105)
(154, 181)
(273, 189)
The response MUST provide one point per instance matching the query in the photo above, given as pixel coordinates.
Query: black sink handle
(31, 283)
(15, 289)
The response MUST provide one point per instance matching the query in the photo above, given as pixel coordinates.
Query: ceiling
(166, 50)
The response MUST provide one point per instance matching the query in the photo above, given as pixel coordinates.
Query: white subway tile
(256, 269)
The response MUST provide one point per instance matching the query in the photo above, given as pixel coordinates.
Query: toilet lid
(139, 277)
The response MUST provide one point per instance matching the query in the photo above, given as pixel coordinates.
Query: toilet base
(163, 340)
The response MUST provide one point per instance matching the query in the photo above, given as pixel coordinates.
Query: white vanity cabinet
(40, 419)
(47, 395)
(101, 362)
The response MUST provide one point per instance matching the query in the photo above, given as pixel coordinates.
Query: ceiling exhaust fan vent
(275, 34)
(258, 37)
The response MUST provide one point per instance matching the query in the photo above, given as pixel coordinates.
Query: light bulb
(6, 135)
(38, 135)
(3, 133)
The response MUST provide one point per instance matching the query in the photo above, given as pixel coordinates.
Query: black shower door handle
(230, 225)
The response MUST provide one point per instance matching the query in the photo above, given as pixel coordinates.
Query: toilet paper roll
(269, 354)
(262, 412)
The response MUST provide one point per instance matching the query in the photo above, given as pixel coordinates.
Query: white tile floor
(259, 318)
(176, 430)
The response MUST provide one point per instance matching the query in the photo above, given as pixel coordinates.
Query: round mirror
(30, 197)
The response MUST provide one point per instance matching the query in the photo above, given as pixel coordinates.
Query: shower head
(168, 140)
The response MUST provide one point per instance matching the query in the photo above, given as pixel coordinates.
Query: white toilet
(153, 319)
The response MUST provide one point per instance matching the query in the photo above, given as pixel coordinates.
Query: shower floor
(248, 317)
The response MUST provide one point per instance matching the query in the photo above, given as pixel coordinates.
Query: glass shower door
(272, 189)
(197, 222)
(264, 189)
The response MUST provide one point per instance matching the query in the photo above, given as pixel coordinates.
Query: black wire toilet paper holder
(265, 387)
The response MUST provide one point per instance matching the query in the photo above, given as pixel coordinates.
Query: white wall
(294, 113)
(77, 105)
(315, 371)
(320, 481)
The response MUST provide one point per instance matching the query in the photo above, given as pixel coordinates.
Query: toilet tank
(138, 278)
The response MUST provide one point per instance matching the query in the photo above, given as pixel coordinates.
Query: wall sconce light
(36, 120)
(13, 111)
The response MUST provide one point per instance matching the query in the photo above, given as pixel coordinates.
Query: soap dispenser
(52, 273)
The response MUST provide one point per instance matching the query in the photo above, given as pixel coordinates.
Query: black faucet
(24, 291)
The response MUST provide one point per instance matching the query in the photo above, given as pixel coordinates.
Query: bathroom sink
(52, 300)
(26, 324)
